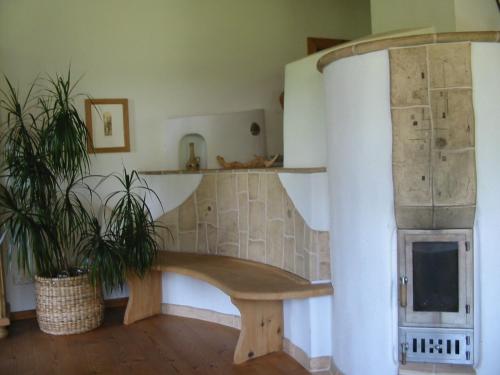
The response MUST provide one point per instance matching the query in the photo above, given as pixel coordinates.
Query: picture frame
(107, 122)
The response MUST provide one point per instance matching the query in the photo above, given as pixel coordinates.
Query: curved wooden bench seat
(256, 289)
(240, 278)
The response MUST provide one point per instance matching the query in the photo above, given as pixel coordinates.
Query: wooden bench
(256, 289)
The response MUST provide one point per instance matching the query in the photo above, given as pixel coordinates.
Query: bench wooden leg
(261, 328)
(144, 297)
(3, 332)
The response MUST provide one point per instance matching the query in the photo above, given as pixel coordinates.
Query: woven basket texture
(67, 306)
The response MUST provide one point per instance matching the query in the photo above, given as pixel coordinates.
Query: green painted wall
(477, 15)
(172, 57)
(389, 15)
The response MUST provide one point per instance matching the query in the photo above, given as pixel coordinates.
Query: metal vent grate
(436, 345)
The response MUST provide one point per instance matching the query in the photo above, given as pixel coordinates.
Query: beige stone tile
(412, 183)
(274, 196)
(408, 76)
(307, 267)
(257, 186)
(257, 251)
(411, 156)
(411, 134)
(454, 181)
(242, 181)
(202, 245)
(288, 215)
(228, 227)
(307, 238)
(212, 239)
(171, 217)
(188, 241)
(275, 243)
(299, 234)
(207, 212)
(187, 215)
(324, 255)
(244, 245)
(289, 260)
(243, 210)
(414, 217)
(226, 192)
(450, 65)
(300, 266)
(453, 116)
(206, 189)
(325, 270)
(169, 238)
(228, 250)
(324, 245)
(257, 220)
(313, 267)
(253, 186)
(454, 217)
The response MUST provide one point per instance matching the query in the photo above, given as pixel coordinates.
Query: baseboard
(316, 365)
(233, 321)
(115, 302)
(22, 315)
(31, 314)
(334, 370)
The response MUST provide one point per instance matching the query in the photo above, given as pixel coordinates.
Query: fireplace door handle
(403, 290)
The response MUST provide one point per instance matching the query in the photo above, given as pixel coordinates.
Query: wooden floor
(159, 345)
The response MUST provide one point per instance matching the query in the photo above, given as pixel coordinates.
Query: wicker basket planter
(68, 305)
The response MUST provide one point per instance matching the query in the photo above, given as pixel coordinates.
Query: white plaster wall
(226, 134)
(304, 118)
(309, 193)
(486, 85)
(188, 291)
(362, 213)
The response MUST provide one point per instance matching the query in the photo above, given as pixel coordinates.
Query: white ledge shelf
(242, 170)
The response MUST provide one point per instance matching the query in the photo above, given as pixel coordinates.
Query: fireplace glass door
(435, 269)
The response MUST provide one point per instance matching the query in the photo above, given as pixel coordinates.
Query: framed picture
(107, 123)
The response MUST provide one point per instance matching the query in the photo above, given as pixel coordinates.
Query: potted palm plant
(47, 210)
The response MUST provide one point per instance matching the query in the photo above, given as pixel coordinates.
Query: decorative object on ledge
(192, 152)
(107, 124)
(257, 162)
(193, 163)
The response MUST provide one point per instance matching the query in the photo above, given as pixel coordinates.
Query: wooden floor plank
(159, 345)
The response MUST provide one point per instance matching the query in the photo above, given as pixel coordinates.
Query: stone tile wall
(248, 215)
(433, 136)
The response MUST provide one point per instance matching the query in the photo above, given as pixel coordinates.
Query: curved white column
(361, 213)
(486, 92)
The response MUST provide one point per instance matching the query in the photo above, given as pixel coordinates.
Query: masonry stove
(436, 317)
